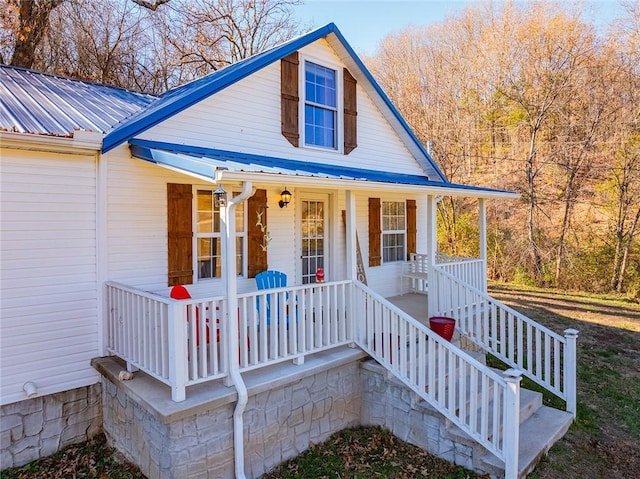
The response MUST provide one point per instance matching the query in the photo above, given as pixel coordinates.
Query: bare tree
(210, 34)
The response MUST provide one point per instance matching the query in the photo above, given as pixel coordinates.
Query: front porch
(285, 333)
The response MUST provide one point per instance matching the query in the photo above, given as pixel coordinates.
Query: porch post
(350, 225)
(352, 259)
(483, 242)
(511, 426)
(432, 251)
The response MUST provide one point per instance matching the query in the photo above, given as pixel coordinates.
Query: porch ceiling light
(220, 196)
(285, 198)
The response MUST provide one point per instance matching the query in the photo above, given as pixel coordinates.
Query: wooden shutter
(289, 98)
(257, 260)
(411, 227)
(179, 234)
(350, 112)
(375, 232)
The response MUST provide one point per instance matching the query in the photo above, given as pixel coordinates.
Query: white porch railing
(472, 396)
(541, 354)
(288, 323)
(470, 270)
(159, 336)
(155, 334)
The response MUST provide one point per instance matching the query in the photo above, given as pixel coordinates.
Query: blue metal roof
(204, 162)
(184, 96)
(32, 102)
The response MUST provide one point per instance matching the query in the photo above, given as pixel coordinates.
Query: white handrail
(468, 393)
(155, 334)
(541, 354)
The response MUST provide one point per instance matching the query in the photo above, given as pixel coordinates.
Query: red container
(443, 326)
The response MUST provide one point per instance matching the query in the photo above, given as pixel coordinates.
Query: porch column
(432, 251)
(350, 227)
(483, 241)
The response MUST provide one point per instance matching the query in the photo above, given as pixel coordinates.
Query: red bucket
(443, 326)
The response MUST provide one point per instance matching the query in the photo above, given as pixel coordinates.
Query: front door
(314, 231)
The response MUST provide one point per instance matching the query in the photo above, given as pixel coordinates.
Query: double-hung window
(393, 231)
(320, 107)
(209, 236)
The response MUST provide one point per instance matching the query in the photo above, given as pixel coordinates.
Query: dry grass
(604, 442)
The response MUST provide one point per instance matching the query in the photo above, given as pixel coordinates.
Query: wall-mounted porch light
(285, 198)
(220, 196)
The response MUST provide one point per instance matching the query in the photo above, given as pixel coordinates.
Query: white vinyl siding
(49, 322)
(248, 119)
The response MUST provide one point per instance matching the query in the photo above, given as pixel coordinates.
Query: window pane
(240, 218)
(321, 98)
(239, 256)
(209, 259)
(393, 247)
(205, 212)
(393, 228)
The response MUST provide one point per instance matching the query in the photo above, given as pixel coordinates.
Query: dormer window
(320, 107)
(328, 105)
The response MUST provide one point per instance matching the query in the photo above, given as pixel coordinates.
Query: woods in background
(529, 97)
(523, 96)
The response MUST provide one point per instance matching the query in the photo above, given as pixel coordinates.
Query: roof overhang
(216, 166)
(78, 143)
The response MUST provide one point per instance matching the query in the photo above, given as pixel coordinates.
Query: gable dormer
(321, 110)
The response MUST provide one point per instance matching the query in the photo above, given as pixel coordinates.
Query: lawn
(603, 442)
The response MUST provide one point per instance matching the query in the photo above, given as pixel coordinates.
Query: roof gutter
(228, 216)
(81, 142)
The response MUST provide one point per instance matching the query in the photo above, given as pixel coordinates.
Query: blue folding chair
(269, 280)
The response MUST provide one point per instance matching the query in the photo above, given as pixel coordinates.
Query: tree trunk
(33, 23)
(626, 252)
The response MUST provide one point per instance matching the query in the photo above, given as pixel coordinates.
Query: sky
(364, 23)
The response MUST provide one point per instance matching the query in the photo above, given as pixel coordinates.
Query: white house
(295, 161)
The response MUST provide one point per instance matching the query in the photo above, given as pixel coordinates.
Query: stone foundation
(36, 428)
(389, 403)
(290, 407)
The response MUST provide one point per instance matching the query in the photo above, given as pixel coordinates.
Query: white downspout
(228, 218)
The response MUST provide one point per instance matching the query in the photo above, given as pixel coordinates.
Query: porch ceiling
(218, 165)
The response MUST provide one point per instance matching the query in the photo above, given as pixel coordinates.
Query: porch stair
(540, 428)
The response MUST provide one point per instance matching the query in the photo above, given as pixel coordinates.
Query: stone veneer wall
(279, 424)
(38, 427)
(388, 403)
